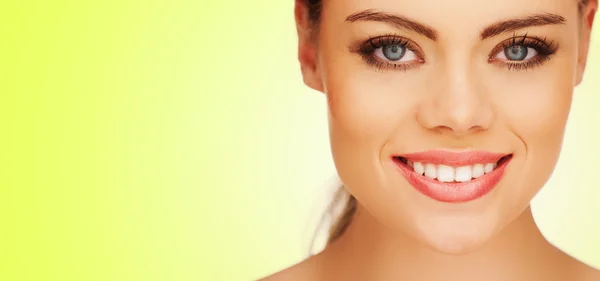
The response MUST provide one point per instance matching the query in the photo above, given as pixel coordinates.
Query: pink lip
(454, 192)
(456, 159)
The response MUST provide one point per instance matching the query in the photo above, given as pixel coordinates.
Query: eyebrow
(398, 21)
(490, 31)
(518, 23)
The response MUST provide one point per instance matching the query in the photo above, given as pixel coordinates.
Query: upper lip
(454, 158)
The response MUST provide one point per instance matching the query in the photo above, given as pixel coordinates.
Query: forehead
(468, 16)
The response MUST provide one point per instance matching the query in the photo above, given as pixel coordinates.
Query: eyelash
(367, 49)
(544, 48)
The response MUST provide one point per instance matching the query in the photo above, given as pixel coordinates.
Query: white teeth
(478, 170)
(463, 174)
(430, 171)
(445, 173)
(419, 168)
(489, 167)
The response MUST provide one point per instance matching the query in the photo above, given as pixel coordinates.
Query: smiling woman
(444, 124)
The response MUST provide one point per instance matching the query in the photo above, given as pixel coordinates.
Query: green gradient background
(174, 140)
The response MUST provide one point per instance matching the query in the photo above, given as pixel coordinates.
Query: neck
(369, 251)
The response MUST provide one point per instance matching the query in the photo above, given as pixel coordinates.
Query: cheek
(365, 109)
(365, 114)
(539, 114)
(367, 106)
(536, 108)
(358, 127)
(358, 108)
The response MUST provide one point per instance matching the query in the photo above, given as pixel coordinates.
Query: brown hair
(343, 219)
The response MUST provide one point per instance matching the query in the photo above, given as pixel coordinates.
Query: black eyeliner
(367, 49)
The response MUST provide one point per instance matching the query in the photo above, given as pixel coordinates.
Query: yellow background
(174, 140)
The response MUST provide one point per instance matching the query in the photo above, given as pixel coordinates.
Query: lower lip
(453, 192)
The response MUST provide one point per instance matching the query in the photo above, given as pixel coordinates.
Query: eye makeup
(368, 49)
(524, 45)
(516, 53)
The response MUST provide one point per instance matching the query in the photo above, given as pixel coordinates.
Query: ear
(307, 47)
(584, 44)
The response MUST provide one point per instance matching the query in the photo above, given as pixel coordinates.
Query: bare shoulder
(307, 269)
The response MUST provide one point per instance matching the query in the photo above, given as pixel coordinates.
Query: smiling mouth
(451, 174)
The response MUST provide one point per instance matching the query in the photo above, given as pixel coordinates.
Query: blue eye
(523, 52)
(389, 52)
(393, 52)
(516, 53)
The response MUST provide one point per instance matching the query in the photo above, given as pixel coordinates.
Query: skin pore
(407, 76)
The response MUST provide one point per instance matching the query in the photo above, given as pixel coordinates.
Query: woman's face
(404, 77)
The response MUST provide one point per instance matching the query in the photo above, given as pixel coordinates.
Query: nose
(459, 103)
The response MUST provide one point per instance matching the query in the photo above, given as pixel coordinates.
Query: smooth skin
(455, 90)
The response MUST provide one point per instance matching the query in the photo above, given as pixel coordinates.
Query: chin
(454, 246)
(456, 239)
